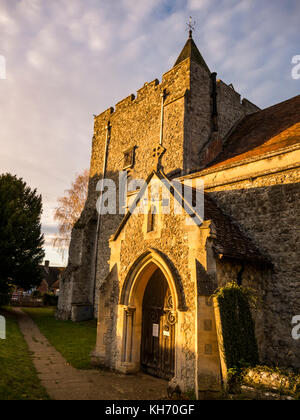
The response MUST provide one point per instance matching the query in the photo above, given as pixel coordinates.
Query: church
(148, 276)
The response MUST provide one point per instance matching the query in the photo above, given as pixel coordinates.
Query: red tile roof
(265, 131)
(230, 241)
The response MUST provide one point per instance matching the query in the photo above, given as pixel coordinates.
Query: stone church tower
(186, 128)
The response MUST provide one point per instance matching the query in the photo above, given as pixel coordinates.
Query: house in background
(51, 279)
(50, 283)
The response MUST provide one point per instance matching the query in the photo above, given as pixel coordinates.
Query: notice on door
(155, 330)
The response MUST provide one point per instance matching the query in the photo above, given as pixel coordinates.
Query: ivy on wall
(240, 345)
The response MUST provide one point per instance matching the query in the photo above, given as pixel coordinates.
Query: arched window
(152, 219)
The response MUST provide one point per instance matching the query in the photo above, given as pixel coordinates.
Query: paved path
(63, 382)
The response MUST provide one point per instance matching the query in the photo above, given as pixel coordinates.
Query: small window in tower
(129, 158)
(152, 219)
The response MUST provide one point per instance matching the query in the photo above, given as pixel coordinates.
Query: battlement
(147, 88)
(173, 77)
(124, 102)
(236, 97)
(249, 106)
(105, 115)
(229, 91)
(129, 100)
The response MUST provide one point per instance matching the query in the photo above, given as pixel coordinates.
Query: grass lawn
(18, 377)
(74, 341)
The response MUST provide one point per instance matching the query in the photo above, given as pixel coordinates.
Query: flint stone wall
(267, 209)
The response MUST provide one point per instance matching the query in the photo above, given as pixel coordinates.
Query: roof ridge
(278, 104)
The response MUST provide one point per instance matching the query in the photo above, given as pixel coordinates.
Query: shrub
(50, 300)
(4, 299)
(240, 346)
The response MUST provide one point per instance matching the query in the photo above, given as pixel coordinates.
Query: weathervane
(191, 26)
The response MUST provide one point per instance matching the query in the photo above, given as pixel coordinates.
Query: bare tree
(69, 210)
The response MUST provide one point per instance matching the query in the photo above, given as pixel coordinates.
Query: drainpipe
(163, 96)
(214, 102)
(108, 129)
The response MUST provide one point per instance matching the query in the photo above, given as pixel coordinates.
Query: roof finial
(191, 26)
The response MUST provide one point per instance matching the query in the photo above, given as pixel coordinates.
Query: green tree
(21, 241)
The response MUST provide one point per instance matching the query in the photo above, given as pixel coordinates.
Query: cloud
(198, 4)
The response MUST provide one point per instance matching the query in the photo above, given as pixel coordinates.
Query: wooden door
(158, 329)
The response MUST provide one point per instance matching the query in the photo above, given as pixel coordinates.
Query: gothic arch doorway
(158, 328)
(150, 284)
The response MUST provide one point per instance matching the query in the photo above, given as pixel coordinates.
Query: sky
(69, 59)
